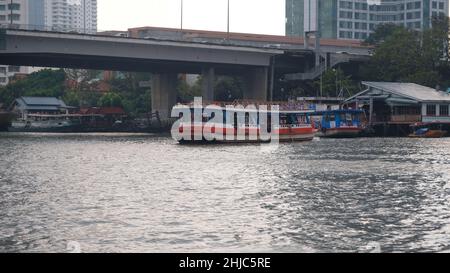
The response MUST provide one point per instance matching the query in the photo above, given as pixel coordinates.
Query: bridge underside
(117, 63)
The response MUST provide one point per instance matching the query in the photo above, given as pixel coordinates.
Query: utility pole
(228, 20)
(84, 15)
(182, 7)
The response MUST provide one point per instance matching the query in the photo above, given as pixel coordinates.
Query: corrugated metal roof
(411, 90)
(43, 101)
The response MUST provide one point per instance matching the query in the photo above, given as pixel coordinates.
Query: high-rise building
(356, 19)
(13, 13)
(71, 15)
(59, 15)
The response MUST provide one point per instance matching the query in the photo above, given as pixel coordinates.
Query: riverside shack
(391, 108)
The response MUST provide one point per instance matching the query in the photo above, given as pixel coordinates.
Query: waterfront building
(391, 105)
(356, 19)
(23, 107)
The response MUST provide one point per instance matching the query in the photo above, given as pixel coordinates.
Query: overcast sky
(248, 16)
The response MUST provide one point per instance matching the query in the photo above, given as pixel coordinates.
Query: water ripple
(123, 193)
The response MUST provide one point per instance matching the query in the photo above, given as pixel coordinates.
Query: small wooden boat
(427, 130)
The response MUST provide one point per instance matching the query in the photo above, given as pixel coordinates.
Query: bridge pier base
(257, 84)
(208, 76)
(164, 94)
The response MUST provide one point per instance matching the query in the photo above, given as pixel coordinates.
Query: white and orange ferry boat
(238, 125)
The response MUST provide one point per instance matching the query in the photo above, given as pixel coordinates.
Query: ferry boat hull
(340, 133)
(248, 135)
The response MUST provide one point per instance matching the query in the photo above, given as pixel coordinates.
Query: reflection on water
(123, 193)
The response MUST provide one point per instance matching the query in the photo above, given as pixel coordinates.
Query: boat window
(283, 120)
(302, 119)
(330, 117)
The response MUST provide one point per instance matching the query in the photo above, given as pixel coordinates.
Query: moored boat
(43, 123)
(246, 126)
(427, 130)
(339, 123)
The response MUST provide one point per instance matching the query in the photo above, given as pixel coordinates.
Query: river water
(144, 193)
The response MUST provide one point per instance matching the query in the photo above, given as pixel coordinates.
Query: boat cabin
(339, 118)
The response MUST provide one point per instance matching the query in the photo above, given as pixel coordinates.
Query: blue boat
(339, 123)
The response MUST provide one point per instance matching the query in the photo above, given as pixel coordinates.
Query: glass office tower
(356, 19)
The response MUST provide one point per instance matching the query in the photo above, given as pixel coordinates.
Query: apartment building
(71, 15)
(13, 13)
(57, 15)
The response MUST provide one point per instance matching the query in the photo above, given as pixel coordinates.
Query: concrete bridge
(166, 53)
(166, 59)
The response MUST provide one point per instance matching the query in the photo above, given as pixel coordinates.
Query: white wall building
(13, 13)
(71, 15)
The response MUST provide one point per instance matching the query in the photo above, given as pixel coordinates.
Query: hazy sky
(248, 16)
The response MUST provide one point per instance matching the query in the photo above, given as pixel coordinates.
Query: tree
(405, 55)
(44, 83)
(110, 99)
(186, 92)
(229, 88)
(334, 83)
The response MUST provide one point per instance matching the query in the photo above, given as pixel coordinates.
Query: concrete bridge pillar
(209, 77)
(164, 94)
(257, 84)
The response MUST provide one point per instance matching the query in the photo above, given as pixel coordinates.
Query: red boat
(245, 126)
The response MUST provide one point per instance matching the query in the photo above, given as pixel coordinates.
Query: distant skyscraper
(71, 15)
(356, 19)
(15, 14)
(36, 14)
(59, 15)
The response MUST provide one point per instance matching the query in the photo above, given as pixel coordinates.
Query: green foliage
(229, 88)
(186, 93)
(110, 99)
(72, 98)
(44, 83)
(404, 55)
(335, 82)
(381, 33)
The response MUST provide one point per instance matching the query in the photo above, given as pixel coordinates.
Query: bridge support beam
(257, 84)
(209, 77)
(164, 94)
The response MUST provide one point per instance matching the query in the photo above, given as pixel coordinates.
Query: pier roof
(409, 91)
(40, 103)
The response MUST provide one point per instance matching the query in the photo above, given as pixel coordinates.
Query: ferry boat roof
(340, 111)
(305, 111)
